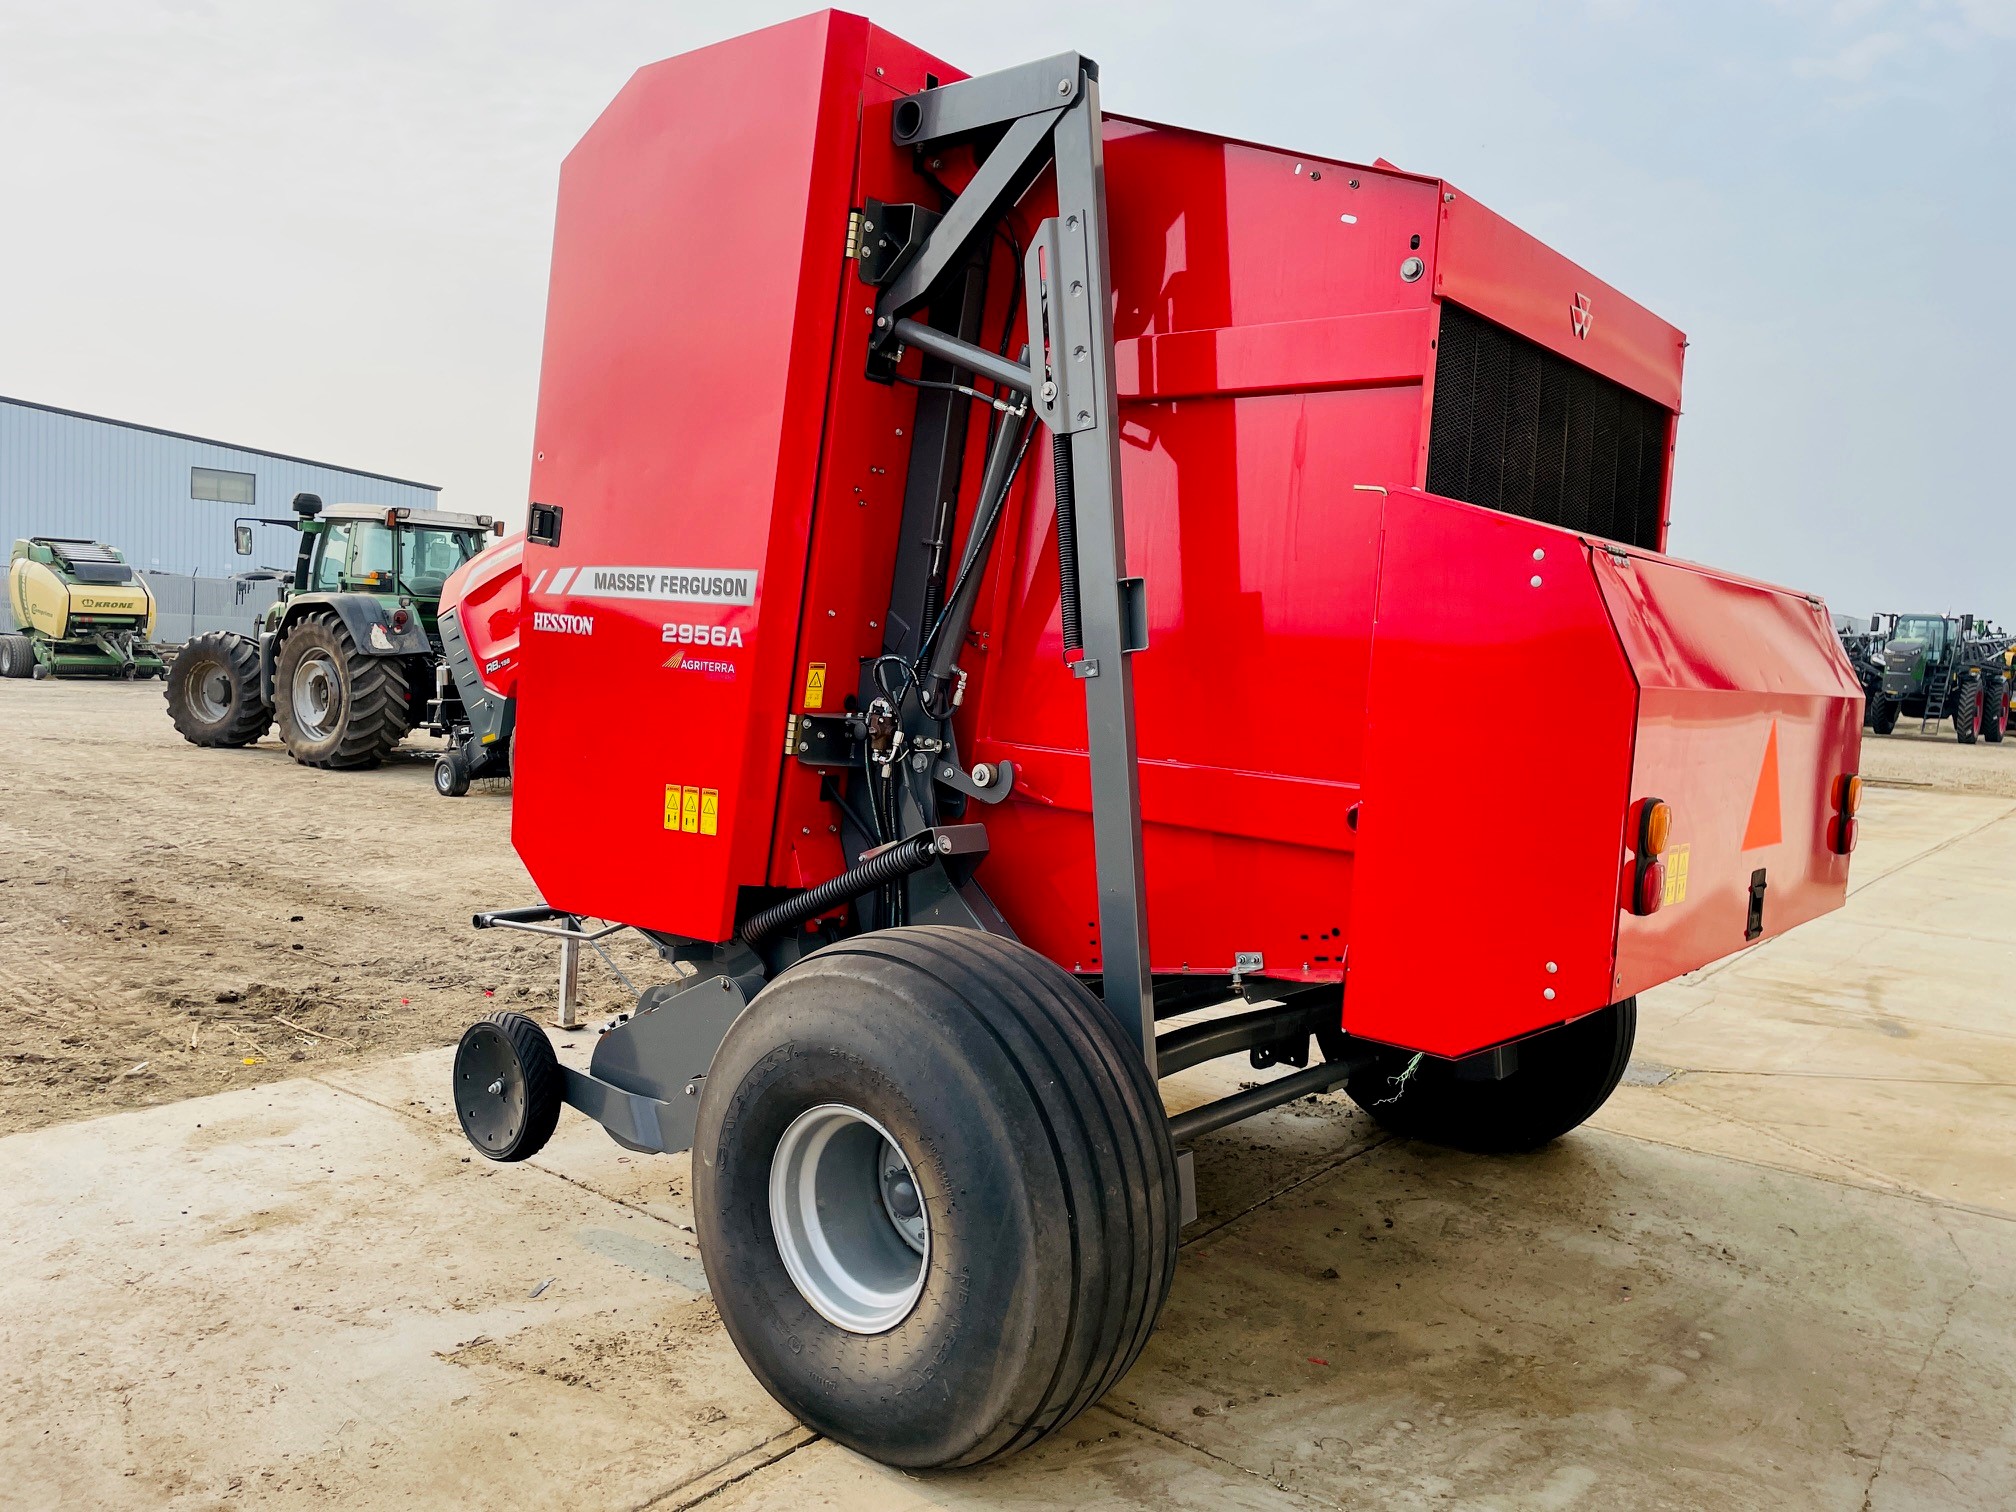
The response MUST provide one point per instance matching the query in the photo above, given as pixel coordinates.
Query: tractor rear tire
(213, 691)
(972, 1223)
(1564, 1075)
(338, 707)
(1995, 708)
(1883, 714)
(1967, 708)
(507, 1087)
(17, 656)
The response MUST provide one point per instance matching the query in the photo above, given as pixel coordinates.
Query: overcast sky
(324, 229)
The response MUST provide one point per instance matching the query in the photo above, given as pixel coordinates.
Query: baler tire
(1883, 714)
(1994, 709)
(514, 1051)
(1967, 708)
(1564, 1075)
(207, 666)
(9, 657)
(1035, 1136)
(373, 696)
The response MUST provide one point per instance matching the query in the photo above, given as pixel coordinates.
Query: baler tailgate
(1748, 716)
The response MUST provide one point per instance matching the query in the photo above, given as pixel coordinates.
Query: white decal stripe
(539, 579)
(562, 578)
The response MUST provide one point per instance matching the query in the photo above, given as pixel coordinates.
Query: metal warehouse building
(164, 499)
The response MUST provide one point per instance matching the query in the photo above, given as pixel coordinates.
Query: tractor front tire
(213, 691)
(935, 1194)
(1967, 708)
(1883, 714)
(338, 707)
(1564, 1075)
(17, 656)
(1994, 708)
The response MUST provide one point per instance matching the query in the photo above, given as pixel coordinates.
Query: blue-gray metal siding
(72, 475)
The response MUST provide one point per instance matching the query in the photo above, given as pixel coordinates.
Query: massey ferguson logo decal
(563, 624)
(682, 585)
(1581, 316)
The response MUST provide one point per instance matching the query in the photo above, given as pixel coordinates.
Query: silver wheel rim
(211, 692)
(318, 694)
(848, 1215)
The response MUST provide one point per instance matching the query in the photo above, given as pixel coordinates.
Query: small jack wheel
(507, 1087)
(451, 774)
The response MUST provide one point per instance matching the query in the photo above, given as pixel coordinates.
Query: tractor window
(370, 555)
(1923, 627)
(430, 555)
(329, 554)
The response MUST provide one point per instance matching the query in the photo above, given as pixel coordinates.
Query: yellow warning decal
(710, 811)
(1676, 876)
(675, 802)
(815, 686)
(692, 810)
(689, 811)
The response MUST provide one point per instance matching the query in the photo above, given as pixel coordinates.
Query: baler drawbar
(1054, 770)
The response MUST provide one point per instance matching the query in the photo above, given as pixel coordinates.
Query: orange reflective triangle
(1766, 827)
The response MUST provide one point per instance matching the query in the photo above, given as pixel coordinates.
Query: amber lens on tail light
(1651, 890)
(1656, 829)
(1849, 799)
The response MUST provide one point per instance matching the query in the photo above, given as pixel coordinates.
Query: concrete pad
(1603, 1324)
(291, 1295)
(1875, 1045)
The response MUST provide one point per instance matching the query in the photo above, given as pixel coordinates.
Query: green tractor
(347, 661)
(1938, 667)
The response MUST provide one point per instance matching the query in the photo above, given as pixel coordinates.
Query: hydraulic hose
(1067, 548)
(899, 861)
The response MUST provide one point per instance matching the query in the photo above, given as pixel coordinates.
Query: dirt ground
(176, 921)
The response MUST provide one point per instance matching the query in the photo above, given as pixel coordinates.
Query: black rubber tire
(1883, 714)
(244, 716)
(1994, 708)
(373, 692)
(451, 774)
(1565, 1074)
(510, 1048)
(1040, 1142)
(17, 656)
(1967, 708)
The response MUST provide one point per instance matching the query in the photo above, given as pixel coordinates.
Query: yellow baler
(80, 610)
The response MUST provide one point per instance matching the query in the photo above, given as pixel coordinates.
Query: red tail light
(1842, 828)
(1651, 891)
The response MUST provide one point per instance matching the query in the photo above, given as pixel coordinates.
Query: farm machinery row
(1931, 668)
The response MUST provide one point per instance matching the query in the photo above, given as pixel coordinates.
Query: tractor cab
(406, 554)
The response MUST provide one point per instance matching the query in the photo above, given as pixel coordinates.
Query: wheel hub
(318, 695)
(210, 692)
(848, 1215)
(489, 1089)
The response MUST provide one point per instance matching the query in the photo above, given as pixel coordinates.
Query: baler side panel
(1497, 767)
(1490, 266)
(1749, 714)
(488, 592)
(690, 334)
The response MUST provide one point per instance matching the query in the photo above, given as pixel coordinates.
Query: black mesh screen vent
(1518, 429)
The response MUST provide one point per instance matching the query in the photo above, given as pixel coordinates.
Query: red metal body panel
(1731, 670)
(1322, 636)
(488, 592)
